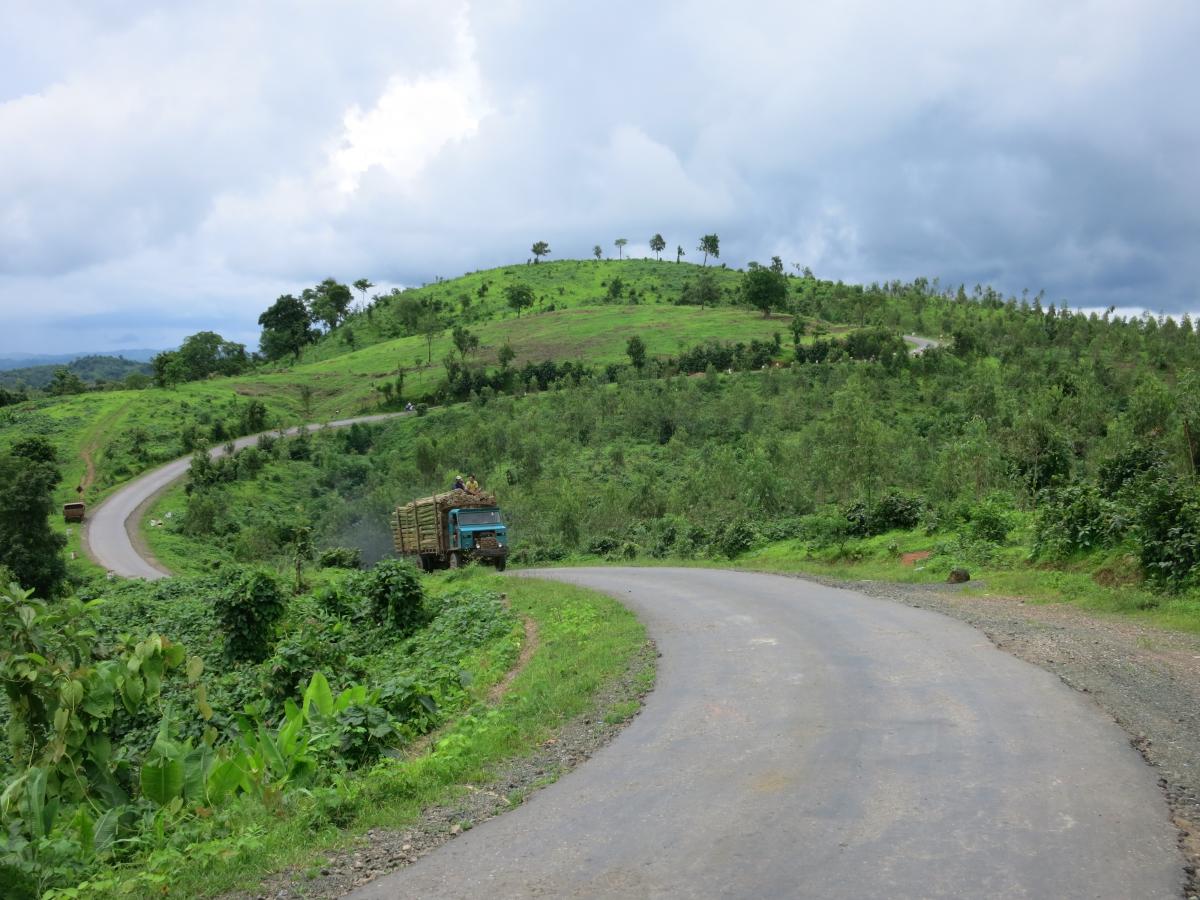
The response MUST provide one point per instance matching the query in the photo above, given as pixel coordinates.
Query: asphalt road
(109, 529)
(805, 741)
(920, 344)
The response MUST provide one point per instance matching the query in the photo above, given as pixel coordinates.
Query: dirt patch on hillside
(381, 851)
(1147, 679)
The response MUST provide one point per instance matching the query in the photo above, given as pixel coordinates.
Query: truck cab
(477, 533)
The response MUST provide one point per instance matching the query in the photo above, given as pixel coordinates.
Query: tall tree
(286, 328)
(621, 242)
(540, 249)
(430, 326)
(710, 244)
(658, 245)
(464, 341)
(329, 301)
(597, 251)
(362, 286)
(635, 347)
(680, 253)
(764, 287)
(29, 548)
(519, 296)
(702, 292)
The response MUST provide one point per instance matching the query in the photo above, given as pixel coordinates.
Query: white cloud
(205, 158)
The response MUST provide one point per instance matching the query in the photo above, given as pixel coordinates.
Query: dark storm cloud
(165, 170)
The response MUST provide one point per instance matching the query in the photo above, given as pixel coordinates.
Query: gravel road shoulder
(380, 851)
(1147, 679)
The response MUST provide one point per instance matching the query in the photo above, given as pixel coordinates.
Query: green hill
(107, 437)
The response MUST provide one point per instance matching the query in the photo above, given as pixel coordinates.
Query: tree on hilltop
(710, 244)
(597, 252)
(680, 253)
(765, 287)
(540, 249)
(658, 245)
(286, 328)
(519, 296)
(362, 286)
(328, 302)
(621, 242)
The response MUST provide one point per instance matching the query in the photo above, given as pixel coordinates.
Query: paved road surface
(107, 533)
(920, 344)
(805, 741)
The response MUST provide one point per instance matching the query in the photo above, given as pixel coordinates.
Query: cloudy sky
(172, 167)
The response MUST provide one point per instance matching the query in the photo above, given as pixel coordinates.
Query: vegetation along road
(110, 536)
(809, 741)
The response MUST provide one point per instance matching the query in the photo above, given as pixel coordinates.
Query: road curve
(805, 741)
(110, 528)
(920, 344)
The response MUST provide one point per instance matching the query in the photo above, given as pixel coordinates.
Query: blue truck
(451, 529)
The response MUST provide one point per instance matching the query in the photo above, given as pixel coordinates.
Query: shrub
(1168, 532)
(736, 538)
(394, 594)
(991, 519)
(247, 611)
(296, 657)
(1076, 518)
(1127, 466)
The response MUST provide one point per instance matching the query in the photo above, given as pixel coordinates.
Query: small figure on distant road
(472, 484)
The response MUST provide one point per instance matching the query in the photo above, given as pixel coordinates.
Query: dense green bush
(248, 609)
(393, 592)
(1077, 518)
(1168, 532)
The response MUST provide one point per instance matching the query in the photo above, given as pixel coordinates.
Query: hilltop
(106, 437)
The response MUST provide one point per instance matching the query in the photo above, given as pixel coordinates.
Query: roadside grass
(586, 641)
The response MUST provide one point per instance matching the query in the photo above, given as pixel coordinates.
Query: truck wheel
(456, 560)
(500, 564)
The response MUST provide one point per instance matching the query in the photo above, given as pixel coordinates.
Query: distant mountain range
(26, 360)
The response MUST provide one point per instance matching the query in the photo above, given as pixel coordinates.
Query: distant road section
(920, 344)
(108, 532)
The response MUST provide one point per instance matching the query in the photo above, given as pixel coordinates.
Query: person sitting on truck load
(472, 484)
(459, 485)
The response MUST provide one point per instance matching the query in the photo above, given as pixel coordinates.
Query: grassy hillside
(105, 438)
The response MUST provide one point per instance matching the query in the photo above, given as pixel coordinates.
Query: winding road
(802, 741)
(920, 344)
(805, 741)
(110, 531)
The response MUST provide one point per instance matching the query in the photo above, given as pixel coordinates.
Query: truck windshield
(479, 517)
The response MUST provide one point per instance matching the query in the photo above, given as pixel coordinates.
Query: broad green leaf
(206, 711)
(196, 766)
(35, 799)
(290, 732)
(106, 829)
(162, 780)
(195, 668)
(225, 777)
(319, 695)
(270, 750)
